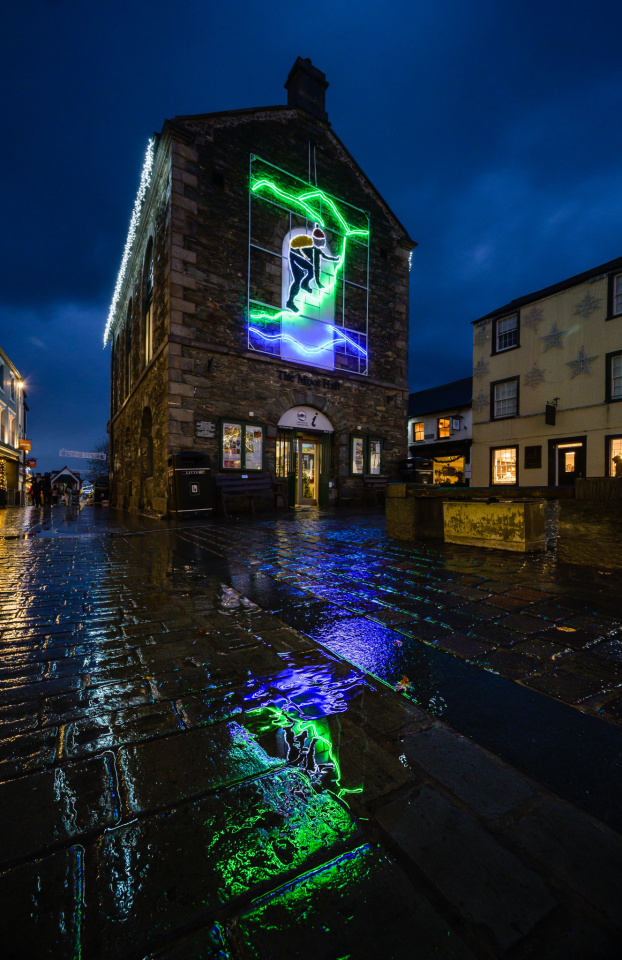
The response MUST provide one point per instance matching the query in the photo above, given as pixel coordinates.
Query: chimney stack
(306, 87)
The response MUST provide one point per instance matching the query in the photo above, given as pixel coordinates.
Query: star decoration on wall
(554, 338)
(480, 337)
(587, 306)
(534, 377)
(581, 364)
(533, 318)
(481, 400)
(481, 369)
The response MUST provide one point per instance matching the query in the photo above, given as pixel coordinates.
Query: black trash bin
(101, 491)
(190, 483)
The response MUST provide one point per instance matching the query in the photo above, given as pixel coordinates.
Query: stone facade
(547, 384)
(196, 215)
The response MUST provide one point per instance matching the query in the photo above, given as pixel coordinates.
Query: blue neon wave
(343, 338)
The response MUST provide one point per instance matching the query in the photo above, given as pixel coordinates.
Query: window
(12, 387)
(2, 377)
(375, 448)
(365, 455)
(148, 304)
(504, 399)
(417, 431)
(283, 453)
(615, 295)
(242, 446)
(357, 459)
(506, 333)
(614, 456)
(128, 349)
(533, 457)
(504, 463)
(443, 427)
(116, 346)
(613, 376)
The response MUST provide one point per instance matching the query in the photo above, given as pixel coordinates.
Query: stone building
(439, 433)
(261, 312)
(547, 383)
(13, 411)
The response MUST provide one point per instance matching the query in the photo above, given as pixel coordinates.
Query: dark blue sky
(492, 128)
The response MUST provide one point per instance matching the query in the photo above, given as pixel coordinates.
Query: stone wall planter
(412, 518)
(516, 525)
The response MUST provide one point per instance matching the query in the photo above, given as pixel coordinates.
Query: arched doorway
(304, 453)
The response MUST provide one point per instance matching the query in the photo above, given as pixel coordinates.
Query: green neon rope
(303, 201)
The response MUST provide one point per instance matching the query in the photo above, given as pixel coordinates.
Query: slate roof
(612, 266)
(459, 393)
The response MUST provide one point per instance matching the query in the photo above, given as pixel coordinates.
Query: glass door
(307, 472)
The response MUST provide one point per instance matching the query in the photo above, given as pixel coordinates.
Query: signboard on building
(25, 445)
(31, 463)
(204, 429)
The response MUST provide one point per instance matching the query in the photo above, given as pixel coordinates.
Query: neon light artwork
(324, 257)
(343, 338)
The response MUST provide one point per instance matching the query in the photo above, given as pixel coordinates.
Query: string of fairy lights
(145, 180)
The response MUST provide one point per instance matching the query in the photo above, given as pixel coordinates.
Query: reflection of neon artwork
(340, 338)
(301, 746)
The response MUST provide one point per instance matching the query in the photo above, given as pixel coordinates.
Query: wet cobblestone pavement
(201, 754)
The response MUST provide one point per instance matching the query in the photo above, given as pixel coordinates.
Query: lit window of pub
(504, 465)
(443, 427)
(507, 333)
(417, 433)
(615, 457)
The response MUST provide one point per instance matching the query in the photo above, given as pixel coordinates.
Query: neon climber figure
(305, 259)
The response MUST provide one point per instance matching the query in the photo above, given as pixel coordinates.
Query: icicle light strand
(145, 180)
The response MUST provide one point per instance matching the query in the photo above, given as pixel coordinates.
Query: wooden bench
(247, 485)
(375, 484)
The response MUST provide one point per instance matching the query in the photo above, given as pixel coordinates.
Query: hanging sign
(31, 463)
(25, 445)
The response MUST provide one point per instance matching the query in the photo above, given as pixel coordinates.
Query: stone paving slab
(222, 785)
(67, 802)
(348, 901)
(487, 884)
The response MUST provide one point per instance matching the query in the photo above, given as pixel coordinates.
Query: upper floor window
(615, 295)
(148, 304)
(613, 373)
(417, 431)
(2, 377)
(12, 387)
(504, 399)
(506, 333)
(443, 427)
